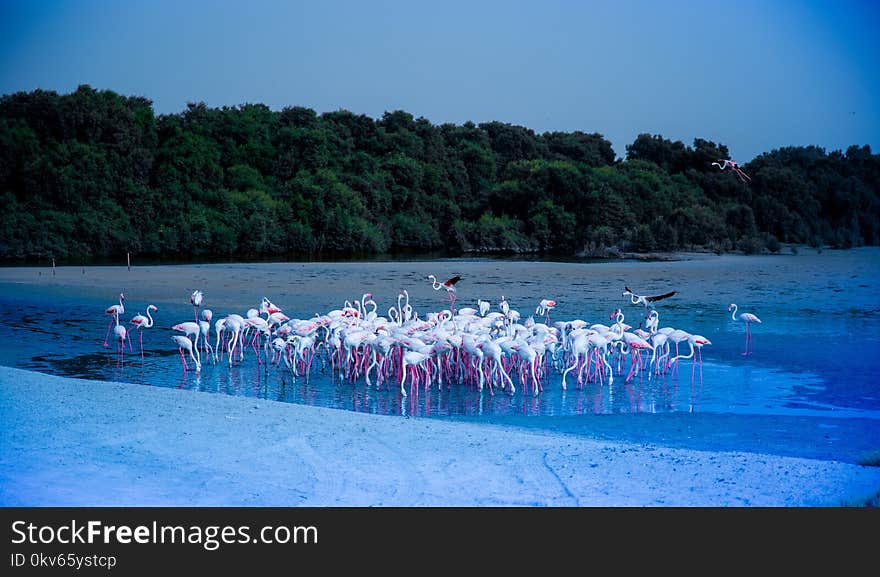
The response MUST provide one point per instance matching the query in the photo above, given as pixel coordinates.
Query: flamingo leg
(751, 341)
(106, 336)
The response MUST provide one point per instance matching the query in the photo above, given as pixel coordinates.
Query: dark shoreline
(409, 256)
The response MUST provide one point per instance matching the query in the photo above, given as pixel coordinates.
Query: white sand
(69, 442)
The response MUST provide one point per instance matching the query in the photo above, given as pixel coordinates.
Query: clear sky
(753, 74)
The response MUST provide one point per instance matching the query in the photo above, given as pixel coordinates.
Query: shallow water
(815, 354)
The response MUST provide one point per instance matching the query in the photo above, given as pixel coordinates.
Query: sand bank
(72, 442)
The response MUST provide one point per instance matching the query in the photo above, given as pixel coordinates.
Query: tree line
(95, 174)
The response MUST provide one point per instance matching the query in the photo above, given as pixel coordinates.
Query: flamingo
(748, 319)
(449, 285)
(677, 336)
(205, 329)
(694, 341)
(196, 300)
(413, 359)
(121, 334)
(484, 307)
(266, 306)
(143, 322)
(544, 309)
(114, 310)
(734, 166)
(190, 328)
(636, 344)
(645, 300)
(183, 342)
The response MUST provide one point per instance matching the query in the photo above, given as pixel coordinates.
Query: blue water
(810, 387)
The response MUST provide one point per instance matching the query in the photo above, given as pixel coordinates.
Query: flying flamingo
(647, 301)
(449, 285)
(196, 300)
(734, 166)
(184, 343)
(143, 322)
(114, 310)
(747, 318)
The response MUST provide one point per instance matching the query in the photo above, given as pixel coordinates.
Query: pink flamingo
(747, 318)
(636, 344)
(143, 322)
(413, 359)
(544, 309)
(677, 336)
(449, 285)
(114, 310)
(184, 343)
(695, 341)
(266, 306)
(734, 166)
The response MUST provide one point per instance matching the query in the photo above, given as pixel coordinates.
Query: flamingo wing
(660, 297)
(452, 281)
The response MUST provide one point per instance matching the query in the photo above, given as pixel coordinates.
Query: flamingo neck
(733, 314)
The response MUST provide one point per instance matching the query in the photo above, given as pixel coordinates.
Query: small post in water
(53, 267)
(128, 257)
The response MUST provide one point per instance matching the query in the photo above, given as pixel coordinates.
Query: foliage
(95, 174)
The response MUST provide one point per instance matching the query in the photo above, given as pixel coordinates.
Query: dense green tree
(95, 174)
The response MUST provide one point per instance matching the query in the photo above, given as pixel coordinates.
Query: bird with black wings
(648, 301)
(449, 285)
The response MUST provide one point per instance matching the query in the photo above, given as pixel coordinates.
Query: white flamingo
(143, 322)
(183, 343)
(115, 311)
(748, 319)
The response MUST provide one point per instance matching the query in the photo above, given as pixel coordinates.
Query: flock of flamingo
(475, 347)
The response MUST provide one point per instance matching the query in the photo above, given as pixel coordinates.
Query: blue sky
(754, 75)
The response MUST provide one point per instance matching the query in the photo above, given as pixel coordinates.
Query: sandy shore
(308, 288)
(72, 442)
